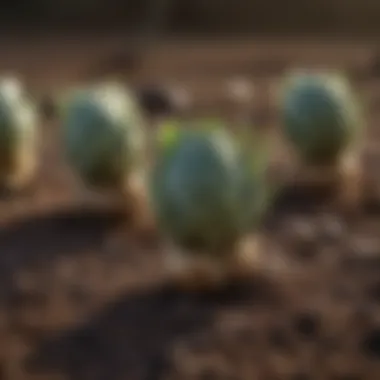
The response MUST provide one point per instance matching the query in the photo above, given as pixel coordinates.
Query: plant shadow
(39, 239)
(135, 337)
(302, 199)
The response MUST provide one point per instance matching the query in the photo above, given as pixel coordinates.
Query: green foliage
(103, 134)
(18, 121)
(320, 115)
(205, 188)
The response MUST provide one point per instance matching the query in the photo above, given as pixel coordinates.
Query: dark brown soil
(84, 297)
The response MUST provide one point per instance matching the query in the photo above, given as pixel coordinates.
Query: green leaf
(168, 134)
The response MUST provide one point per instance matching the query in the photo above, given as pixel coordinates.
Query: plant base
(202, 271)
(18, 173)
(135, 199)
(130, 197)
(343, 179)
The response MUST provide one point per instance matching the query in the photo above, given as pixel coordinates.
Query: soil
(84, 296)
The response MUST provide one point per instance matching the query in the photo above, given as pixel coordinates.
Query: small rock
(362, 253)
(302, 229)
(331, 229)
(365, 248)
(240, 90)
(181, 98)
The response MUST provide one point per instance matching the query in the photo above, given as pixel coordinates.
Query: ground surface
(83, 297)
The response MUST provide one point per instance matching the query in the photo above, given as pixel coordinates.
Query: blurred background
(85, 297)
(339, 17)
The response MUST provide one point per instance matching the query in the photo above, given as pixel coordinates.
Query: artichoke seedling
(322, 120)
(208, 192)
(18, 135)
(104, 140)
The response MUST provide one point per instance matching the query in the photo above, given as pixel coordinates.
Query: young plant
(18, 135)
(104, 139)
(208, 192)
(322, 120)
